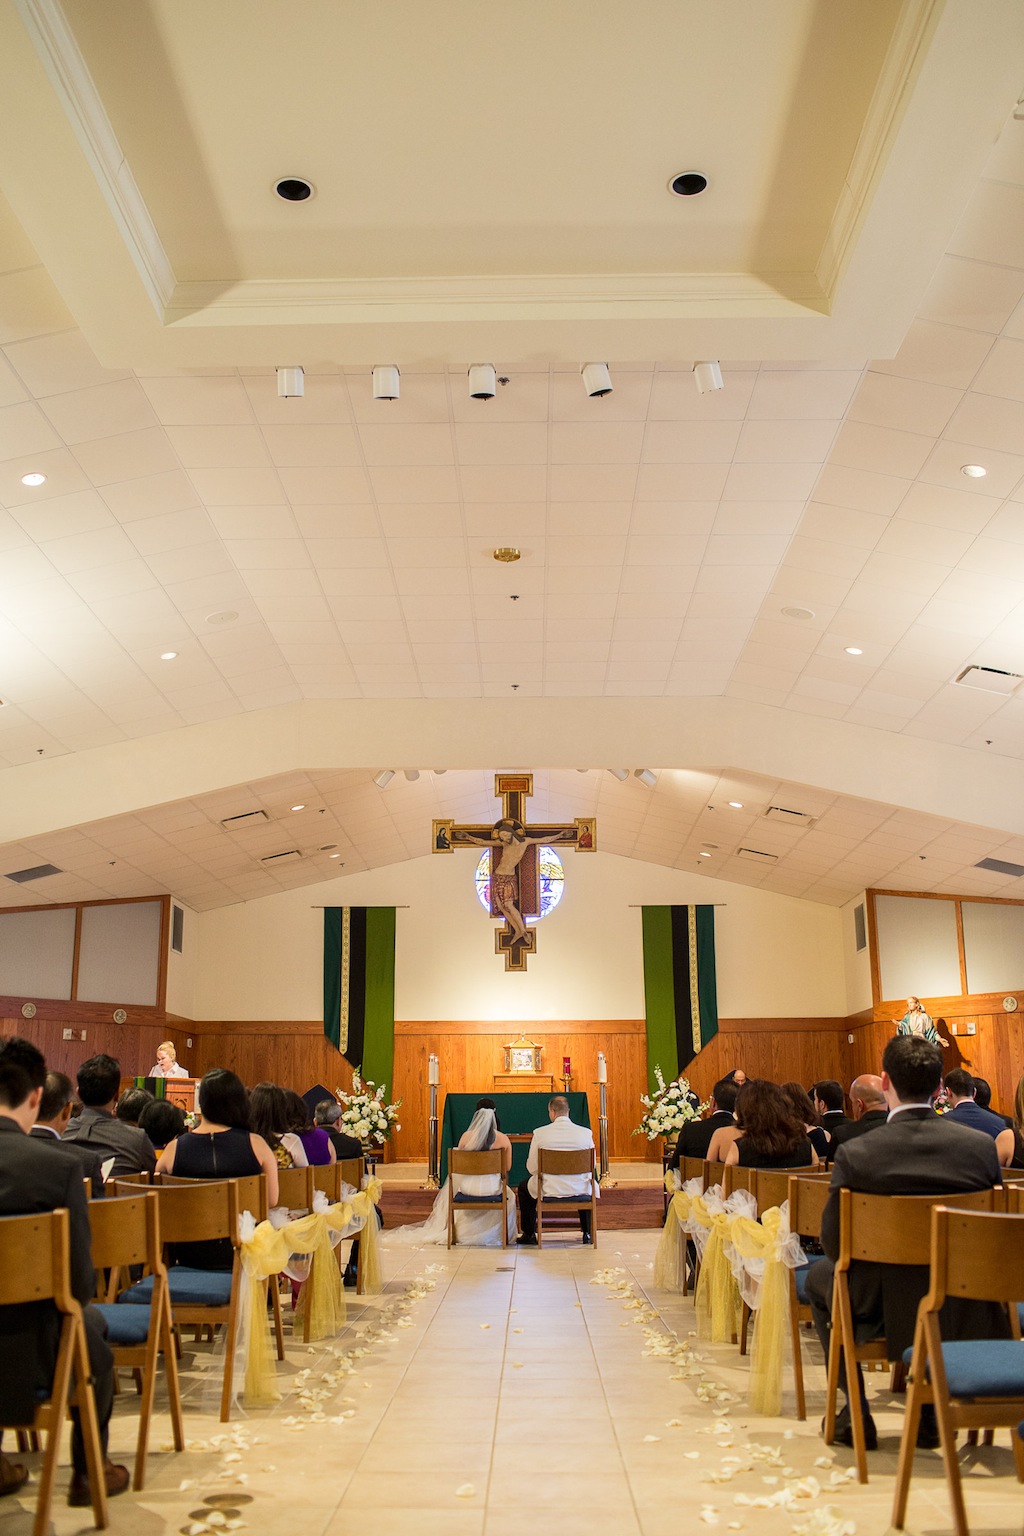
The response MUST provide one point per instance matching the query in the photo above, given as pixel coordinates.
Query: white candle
(433, 1074)
(602, 1068)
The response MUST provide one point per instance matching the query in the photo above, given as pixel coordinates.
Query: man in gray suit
(912, 1154)
(99, 1081)
(53, 1120)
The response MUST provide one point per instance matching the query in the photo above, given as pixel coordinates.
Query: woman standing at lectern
(167, 1064)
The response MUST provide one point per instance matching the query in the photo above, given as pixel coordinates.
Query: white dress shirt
(561, 1135)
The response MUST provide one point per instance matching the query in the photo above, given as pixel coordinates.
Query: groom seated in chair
(561, 1135)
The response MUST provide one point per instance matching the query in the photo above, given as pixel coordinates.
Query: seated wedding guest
(800, 1099)
(268, 1117)
(827, 1098)
(315, 1141)
(51, 1123)
(167, 1064)
(737, 1076)
(96, 1127)
(869, 1110)
(726, 1134)
(34, 1178)
(696, 1137)
(772, 1133)
(1018, 1125)
(912, 1154)
(559, 1135)
(163, 1122)
(964, 1111)
(131, 1104)
(221, 1147)
(326, 1115)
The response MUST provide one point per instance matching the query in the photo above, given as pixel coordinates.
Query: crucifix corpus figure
(515, 876)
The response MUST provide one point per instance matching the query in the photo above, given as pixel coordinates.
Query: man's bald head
(866, 1094)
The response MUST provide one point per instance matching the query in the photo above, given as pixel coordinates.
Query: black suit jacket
(851, 1129)
(913, 1154)
(344, 1146)
(695, 1138)
(34, 1179)
(89, 1162)
(832, 1119)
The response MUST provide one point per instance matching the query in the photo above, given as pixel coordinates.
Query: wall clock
(28, 1010)
(1010, 1003)
(120, 1016)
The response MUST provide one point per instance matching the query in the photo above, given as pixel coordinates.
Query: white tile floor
(521, 1378)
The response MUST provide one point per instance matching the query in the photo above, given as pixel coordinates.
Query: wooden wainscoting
(133, 1044)
(995, 1051)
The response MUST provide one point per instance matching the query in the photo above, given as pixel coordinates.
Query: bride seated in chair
(476, 1228)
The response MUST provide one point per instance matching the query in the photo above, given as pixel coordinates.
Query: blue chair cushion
(800, 1280)
(1020, 1313)
(128, 1326)
(189, 1288)
(477, 1199)
(982, 1367)
(566, 1199)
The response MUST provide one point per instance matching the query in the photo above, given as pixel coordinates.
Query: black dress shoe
(587, 1238)
(927, 1429)
(844, 1430)
(526, 1242)
(12, 1476)
(116, 1478)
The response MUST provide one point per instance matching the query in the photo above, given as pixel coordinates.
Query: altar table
(519, 1114)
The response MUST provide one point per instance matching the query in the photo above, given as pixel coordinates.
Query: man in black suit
(695, 1138)
(99, 1080)
(53, 1121)
(827, 1098)
(912, 1154)
(869, 1111)
(35, 1178)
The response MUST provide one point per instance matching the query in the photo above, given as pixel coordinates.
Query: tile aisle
(522, 1379)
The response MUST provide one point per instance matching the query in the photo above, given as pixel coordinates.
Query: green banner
(680, 991)
(359, 987)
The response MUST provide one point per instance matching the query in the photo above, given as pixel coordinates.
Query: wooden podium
(177, 1090)
(523, 1082)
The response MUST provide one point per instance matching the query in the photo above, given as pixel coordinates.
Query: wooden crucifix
(515, 871)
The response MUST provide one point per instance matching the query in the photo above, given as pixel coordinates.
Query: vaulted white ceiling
(511, 190)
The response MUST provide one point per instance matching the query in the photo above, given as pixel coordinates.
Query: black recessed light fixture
(688, 183)
(293, 189)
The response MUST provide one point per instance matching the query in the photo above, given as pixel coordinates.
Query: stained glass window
(552, 881)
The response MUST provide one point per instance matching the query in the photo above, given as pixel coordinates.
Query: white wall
(777, 956)
(857, 961)
(182, 969)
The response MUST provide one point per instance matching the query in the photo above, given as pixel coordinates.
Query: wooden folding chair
(328, 1177)
(551, 1164)
(734, 1177)
(770, 1187)
(976, 1383)
(126, 1232)
(35, 1267)
(807, 1200)
(691, 1168)
(470, 1165)
(879, 1229)
(351, 1171)
(295, 1189)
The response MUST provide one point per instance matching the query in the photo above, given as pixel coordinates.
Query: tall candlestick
(602, 1068)
(433, 1070)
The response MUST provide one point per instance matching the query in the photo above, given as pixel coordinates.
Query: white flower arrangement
(365, 1115)
(668, 1110)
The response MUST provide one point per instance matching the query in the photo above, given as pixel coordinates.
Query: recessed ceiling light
(853, 650)
(737, 805)
(33, 479)
(334, 855)
(704, 855)
(506, 555)
(294, 189)
(168, 655)
(798, 613)
(298, 807)
(225, 616)
(974, 471)
(688, 183)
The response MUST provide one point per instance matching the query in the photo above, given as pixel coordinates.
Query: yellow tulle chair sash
(717, 1301)
(761, 1253)
(670, 1256)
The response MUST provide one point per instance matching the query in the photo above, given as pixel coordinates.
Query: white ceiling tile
(691, 442)
(192, 402)
(794, 396)
(25, 430)
(910, 406)
(218, 447)
(128, 456)
(101, 411)
(265, 554)
(684, 482)
(606, 442)
(424, 398)
(770, 482)
(946, 507)
(627, 402)
(974, 294)
(51, 364)
(11, 388)
(938, 354)
(880, 449)
(175, 530)
(989, 422)
(87, 551)
(674, 397)
(501, 443)
(304, 446)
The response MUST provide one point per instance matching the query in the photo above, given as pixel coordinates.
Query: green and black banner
(679, 986)
(359, 987)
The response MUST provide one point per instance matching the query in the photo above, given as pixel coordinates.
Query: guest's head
(162, 1121)
(800, 1100)
(327, 1113)
(724, 1094)
(959, 1085)
(299, 1119)
(268, 1112)
(22, 1079)
(99, 1078)
(866, 1094)
(558, 1107)
(911, 1070)
(737, 1076)
(222, 1099)
(166, 1055)
(55, 1104)
(982, 1091)
(827, 1096)
(770, 1124)
(131, 1104)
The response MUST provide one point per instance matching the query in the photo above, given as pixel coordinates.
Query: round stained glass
(552, 882)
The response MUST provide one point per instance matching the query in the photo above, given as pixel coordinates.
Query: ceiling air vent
(791, 818)
(757, 855)
(990, 679)
(273, 859)
(39, 872)
(1000, 867)
(247, 819)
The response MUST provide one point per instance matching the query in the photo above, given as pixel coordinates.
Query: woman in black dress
(772, 1135)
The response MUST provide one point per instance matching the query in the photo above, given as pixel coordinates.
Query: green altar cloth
(518, 1114)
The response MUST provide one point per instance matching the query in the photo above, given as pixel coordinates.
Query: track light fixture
(622, 774)
(597, 381)
(383, 779)
(412, 774)
(645, 776)
(291, 383)
(386, 382)
(707, 377)
(483, 383)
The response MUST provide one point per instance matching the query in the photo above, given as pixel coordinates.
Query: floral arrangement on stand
(668, 1110)
(364, 1114)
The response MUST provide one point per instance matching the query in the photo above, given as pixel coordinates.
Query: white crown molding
(54, 42)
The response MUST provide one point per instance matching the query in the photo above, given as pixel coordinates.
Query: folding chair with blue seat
(555, 1164)
(973, 1383)
(474, 1165)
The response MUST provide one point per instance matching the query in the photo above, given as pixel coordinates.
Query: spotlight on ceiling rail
(291, 383)
(622, 774)
(383, 779)
(645, 776)
(483, 383)
(707, 377)
(386, 382)
(597, 381)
